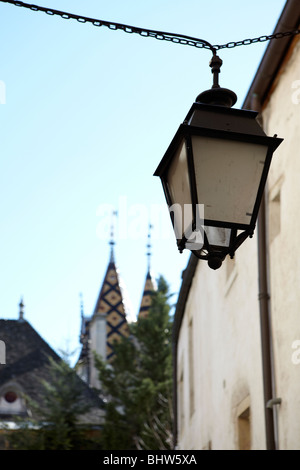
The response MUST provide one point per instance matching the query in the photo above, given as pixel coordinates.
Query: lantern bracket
(215, 257)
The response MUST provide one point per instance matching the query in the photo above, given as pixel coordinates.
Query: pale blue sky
(89, 114)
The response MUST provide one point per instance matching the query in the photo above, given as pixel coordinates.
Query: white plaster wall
(227, 354)
(282, 116)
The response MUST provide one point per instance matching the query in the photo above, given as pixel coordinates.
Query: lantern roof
(219, 122)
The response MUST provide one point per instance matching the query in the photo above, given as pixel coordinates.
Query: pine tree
(56, 422)
(137, 385)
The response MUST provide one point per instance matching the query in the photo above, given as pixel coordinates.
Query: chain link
(160, 35)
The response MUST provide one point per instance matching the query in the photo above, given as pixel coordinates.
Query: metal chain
(263, 38)
(160, 35)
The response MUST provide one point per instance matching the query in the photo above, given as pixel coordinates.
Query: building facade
(237, 330)
(24, 370)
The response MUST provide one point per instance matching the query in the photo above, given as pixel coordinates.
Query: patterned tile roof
(110, 303)
(146, 297)
(27, 359)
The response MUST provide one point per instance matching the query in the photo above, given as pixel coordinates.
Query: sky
(86, 114)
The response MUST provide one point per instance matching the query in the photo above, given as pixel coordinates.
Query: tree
(137, 385)
(56, 422)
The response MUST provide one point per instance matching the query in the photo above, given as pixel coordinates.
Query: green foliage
(56, 423)
(137, 385)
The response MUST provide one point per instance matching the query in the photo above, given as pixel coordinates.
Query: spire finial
(112, 235)
(21, 310)
(82, 331)
(81, 305)
(149, 246)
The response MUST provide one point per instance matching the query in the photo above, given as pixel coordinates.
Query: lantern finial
(217, 95)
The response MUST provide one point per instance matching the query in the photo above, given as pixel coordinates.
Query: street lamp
(214, 173)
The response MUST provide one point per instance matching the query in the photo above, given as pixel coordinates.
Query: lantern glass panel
(218, 236)
(179, 189)
(228, 175)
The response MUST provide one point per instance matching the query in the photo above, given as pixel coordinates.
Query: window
(208, 446)
(10, 396)
(244, 425)
(11, 400)
(180, 402)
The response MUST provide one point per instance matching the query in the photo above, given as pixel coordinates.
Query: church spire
(112, 237)
(149, 286)
(81, 309)
(110, 305)
(83, 363)
(108, 322)
(21, 310)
